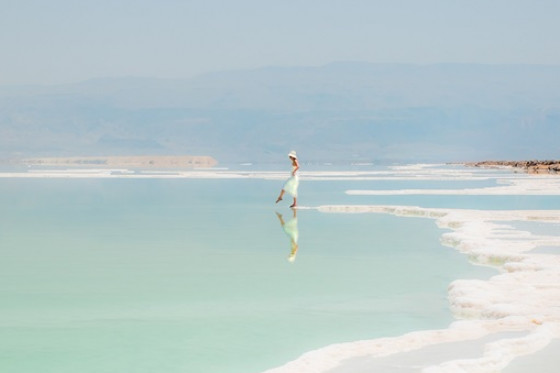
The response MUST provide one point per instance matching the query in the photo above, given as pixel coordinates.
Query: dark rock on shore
(531, 167)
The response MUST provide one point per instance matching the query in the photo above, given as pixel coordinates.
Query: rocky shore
(531, 167)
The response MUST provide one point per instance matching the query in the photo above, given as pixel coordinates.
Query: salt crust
(524, 296)
(546, 185)
(412, 172)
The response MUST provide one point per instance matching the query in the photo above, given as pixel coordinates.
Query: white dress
(291, 185)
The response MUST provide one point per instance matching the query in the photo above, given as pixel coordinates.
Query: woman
(291, 185)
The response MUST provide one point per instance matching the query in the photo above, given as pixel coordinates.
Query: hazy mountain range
(335, 113)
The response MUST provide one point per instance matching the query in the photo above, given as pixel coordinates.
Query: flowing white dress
(291, 185)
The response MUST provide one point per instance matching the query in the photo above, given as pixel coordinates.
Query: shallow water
(191, 275)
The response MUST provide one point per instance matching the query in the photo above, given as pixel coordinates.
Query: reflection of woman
(291, 230)
(291, 185)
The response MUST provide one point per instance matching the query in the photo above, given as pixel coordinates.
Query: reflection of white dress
(291, 230)
(291, 185)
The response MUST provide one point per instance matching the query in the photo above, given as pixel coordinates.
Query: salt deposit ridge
(548, 185)
(524, 297)
(412, 172)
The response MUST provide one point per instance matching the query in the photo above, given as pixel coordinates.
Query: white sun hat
(292, 154)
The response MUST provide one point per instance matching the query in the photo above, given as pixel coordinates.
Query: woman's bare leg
(280, 196)
(295, 202)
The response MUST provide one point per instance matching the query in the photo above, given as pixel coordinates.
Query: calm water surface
(187, 275)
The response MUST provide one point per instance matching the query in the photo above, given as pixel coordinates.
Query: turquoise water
(189, 275)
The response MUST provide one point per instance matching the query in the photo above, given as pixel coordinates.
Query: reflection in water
(291, 229)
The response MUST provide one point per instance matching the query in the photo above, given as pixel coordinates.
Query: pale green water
(192, 275)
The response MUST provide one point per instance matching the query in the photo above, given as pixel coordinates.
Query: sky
(64, 41)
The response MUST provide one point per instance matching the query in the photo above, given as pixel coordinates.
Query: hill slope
(337, 112)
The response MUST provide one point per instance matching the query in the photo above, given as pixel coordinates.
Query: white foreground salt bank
(524, 298)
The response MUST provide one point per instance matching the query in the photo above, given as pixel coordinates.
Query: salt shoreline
(523, 298)
(146, 161)
(546, 360)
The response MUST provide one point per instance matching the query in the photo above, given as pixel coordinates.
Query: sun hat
(292, 154)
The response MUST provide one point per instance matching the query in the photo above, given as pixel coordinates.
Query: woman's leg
(295, 202)
(280, 196)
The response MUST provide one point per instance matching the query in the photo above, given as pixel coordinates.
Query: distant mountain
(337, 113)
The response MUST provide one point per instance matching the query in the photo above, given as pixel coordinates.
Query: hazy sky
(59, 41)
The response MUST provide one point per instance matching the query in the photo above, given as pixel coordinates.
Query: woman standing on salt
(291, 185)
